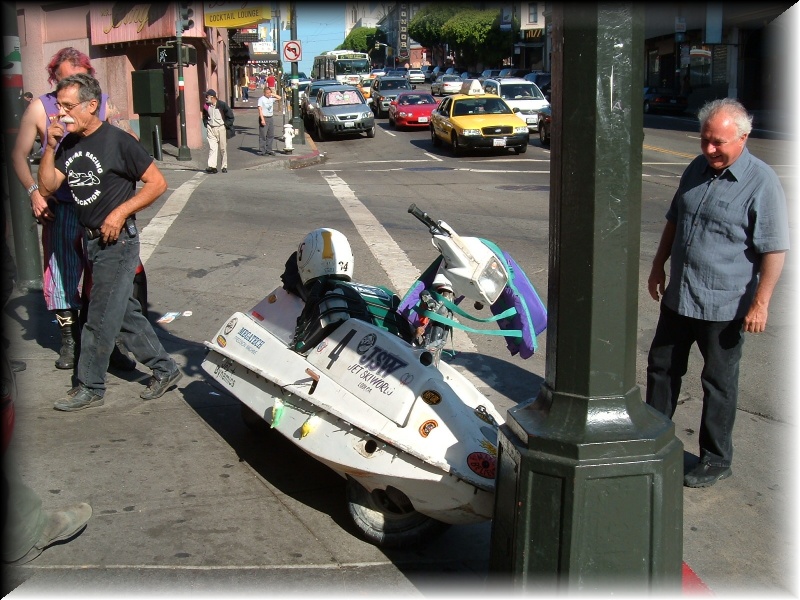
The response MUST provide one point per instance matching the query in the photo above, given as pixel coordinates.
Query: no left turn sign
(292, 51)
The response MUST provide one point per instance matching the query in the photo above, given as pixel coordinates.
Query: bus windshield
(351, 67)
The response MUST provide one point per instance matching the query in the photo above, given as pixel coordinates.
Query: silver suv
(341, 110)
(524, 98)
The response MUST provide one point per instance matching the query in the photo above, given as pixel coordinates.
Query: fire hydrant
(288, 134)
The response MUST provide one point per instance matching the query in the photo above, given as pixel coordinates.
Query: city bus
(346, 66)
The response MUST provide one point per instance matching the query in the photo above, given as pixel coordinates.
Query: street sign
(292, 51)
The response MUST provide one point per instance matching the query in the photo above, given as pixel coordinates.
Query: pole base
(184, 153)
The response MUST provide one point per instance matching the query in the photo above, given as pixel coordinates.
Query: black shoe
(271, 153)
(261, 153)
(224, 169)
(211, 170)
(705, 475)
(157, 387)
(61, 525)
(120, 360)
(78, 398)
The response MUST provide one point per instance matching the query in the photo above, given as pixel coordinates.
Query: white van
(521, 94)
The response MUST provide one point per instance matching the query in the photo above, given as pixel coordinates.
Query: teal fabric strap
(516, 333)
(510, 312)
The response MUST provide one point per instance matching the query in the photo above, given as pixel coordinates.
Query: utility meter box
(148, 92)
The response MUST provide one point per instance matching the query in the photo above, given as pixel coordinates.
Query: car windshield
(451, 78)
(480, 106)
(414, 99)
(520, 91)
(342, 98)
(393, 85)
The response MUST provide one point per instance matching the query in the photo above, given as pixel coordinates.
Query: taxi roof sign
(472, 87)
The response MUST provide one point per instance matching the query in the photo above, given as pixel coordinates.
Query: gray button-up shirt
(723, 225)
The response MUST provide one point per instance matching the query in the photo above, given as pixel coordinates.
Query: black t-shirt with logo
(102, 170)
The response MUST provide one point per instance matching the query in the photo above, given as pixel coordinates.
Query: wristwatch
(32, 189)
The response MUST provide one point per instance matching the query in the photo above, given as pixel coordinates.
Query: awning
(263, 58)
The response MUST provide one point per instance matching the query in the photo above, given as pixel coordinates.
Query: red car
(411, 109)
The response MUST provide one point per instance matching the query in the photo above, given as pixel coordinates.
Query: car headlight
(366, 115)
(521, 129)
(475, 131)
(403, 114)
(328, 118)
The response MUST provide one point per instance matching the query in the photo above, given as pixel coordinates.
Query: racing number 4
(334, 355)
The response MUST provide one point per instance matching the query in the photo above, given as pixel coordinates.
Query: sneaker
(211, 170)
(60, 526)
(157, 387)
(224, 169)
(271, 153)
(79, 398)
(705, 475)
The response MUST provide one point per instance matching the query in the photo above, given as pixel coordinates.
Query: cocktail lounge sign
(235, 14)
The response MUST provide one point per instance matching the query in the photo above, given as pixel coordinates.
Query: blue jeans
(720, 343)
(112, 309)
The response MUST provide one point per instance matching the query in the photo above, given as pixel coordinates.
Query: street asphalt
(186, 499)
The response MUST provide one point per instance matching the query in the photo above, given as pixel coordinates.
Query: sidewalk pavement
(242, 148)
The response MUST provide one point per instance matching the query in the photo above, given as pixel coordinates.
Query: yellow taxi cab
(365, 90)
(475, 119)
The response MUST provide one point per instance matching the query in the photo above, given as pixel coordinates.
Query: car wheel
(434, 138)
(543, 137)
(371, 132)
(391, 120)
(454, 145)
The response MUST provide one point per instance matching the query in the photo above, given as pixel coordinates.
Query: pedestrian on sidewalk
(272, 82)
(726, 237)
(65, 261)
(103, 166)
(244, 85)
(218, 119)
(266, 122)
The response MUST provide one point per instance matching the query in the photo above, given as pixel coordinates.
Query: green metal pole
(24, 228)
(589, 486)
(297, 121)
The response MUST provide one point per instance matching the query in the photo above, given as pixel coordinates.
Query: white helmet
(324, 252)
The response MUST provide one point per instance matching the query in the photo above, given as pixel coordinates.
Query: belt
(93, 233)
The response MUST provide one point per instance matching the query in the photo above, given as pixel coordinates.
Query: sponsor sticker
(427, 427)
(221, 341)
(230, 325)
(483, 464)
(431, 397)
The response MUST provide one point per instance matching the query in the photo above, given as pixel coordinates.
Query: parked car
(469, 75)
(286, 81)
(489, 73)
(544, 117)
(454, 71)
(542, 81)
(377, 73)
(341, 110)
(476, 119)
(416, 76)
(308, 98)
(513, 72)
(522, 96)
(426, 71)
(411, 109)
(657, 99)
(435, 72)
(446, 84)
(385, 89)
(397, 72)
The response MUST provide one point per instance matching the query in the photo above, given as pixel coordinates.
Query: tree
(475, 35)
(426, 26)
(357, 39)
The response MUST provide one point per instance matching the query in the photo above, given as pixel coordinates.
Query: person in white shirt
(218, 119)
(266, 126)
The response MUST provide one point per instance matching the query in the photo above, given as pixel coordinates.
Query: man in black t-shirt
(102, 165)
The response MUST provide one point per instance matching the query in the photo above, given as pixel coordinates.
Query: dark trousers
(720, 343)
(113, 310)
(266, 135)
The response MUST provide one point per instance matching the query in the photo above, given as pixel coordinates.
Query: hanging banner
(235, 14)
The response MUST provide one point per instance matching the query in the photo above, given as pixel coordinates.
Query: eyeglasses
(68, 107)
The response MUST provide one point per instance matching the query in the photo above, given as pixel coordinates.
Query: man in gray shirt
(726, 236)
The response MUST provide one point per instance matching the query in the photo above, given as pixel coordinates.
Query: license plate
(499, 142)
(349, 124)
(423, 119)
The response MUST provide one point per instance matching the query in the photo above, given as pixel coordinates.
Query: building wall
(120, 39)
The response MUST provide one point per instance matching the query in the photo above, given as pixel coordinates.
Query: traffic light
(168, 55)
(185, 17)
